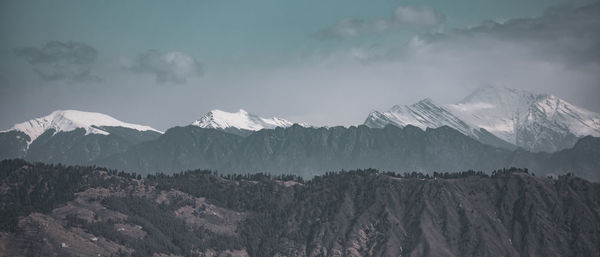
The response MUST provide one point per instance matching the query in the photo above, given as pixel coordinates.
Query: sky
(323, 62)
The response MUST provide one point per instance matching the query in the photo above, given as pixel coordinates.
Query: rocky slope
(79, 211)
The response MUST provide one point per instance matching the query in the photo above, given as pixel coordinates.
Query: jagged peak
(241, 119)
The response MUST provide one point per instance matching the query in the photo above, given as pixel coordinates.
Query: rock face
(356, 213)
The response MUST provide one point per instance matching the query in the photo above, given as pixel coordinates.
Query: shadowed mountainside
(311, 151)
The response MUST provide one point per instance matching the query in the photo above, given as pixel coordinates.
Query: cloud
(346, 28)
(175, 67)
(403, 17)
(57, 60)
(563, 34)
(422, 17)
(557, 53)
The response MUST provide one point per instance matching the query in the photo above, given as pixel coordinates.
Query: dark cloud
(403, 17)
(557, 53)
(172, 66)
(563, 34)
(61, 60)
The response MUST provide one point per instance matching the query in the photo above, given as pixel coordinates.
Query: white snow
(69, 120)
(503, 112)
(240, 120)
(424, 114)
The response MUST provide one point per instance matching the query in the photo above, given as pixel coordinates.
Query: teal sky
(224, 32)
(269, 57)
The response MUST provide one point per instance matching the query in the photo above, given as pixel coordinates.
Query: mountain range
(535, 122)
(475, 133)
(312, 151)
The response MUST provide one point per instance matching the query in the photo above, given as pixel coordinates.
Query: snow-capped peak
(537, 122)
(525, 118)
(423, 114)
(240, 120)
(68, 120)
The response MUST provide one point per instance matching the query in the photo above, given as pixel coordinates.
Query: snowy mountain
(72, 137)
(424, 114)
(427, 114)
(241, 120)
(536, 122)
(69, 120)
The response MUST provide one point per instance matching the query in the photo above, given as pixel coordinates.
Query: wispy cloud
(173, 66)
(402, 17)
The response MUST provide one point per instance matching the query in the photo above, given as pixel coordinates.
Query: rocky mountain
(73, 137)
(69, 120)
(535, 122)
(84, 211)
(304, 151)
(426, 114)
(240, 123)
(313, 151)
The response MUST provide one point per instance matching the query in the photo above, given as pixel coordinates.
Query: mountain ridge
(312, 151)
(536, 122)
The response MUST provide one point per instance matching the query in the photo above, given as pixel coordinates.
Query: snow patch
(424, 114)
(240, 120)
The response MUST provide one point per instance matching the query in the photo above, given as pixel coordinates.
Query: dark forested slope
(84, 211)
